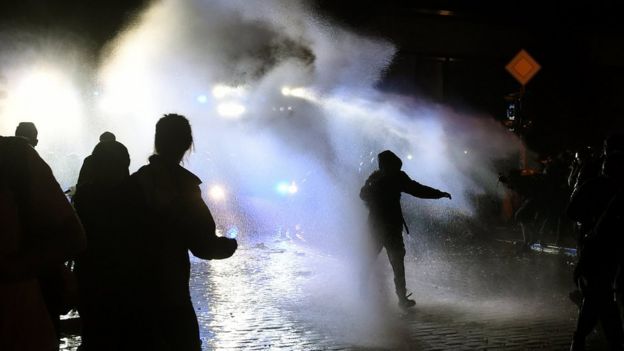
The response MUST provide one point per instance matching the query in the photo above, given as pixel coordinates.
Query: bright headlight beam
(230, 109)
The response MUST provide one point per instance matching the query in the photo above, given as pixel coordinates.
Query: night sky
(576, 99)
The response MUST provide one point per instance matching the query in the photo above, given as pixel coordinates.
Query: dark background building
(456, 51)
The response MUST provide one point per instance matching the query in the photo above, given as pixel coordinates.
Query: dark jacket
(176, 221)
(179, 221)
(589, 201)
(383, 188)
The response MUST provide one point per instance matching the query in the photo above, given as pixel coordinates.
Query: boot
(405, 302)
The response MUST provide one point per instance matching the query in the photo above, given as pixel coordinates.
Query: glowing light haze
(273, 92)
(279, 99)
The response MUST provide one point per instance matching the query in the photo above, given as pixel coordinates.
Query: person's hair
(173, 137)
(27, 130)
(107, 136)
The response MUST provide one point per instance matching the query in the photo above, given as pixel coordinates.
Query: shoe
(405, 302)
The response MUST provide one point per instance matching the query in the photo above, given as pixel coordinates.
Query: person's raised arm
(416, 189)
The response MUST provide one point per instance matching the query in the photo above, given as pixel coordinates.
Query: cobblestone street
(284, 295)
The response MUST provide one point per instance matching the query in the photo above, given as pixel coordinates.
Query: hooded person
(105, 207)
(382, 195)
(87, 173)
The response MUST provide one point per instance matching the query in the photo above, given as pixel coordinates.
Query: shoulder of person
(402, 176)
(188, 177)
(376, 174)
(15, 147)
(144, 179)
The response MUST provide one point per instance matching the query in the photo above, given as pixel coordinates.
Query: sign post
(523, 68)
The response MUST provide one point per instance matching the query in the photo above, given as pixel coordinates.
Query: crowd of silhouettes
(596, 204)
(118, 253)
(127, 237)
(581, 197)
(544, 196)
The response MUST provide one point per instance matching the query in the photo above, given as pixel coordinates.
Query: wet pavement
(287, 295)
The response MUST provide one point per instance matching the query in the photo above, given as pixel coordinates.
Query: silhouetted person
(179, 221)
(28, 131)
(600, 250)
(589, 200)
(382, 195)
(585, 166)
(39, 232)
(86, 171)
(52, 281)
(104, 205)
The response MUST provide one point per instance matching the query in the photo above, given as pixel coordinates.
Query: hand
(447, 195)
(234, 245)
(231, 245)
(224, 248)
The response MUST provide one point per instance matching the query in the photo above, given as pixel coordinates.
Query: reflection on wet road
(287, 296)
(282, 295)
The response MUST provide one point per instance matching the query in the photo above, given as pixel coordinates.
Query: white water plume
(286, 120)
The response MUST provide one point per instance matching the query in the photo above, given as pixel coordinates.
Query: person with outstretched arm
(382, 195)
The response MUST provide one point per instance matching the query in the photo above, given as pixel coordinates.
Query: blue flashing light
(282, 188)
(202, 99)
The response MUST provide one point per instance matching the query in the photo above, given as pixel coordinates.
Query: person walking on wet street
(382, 195)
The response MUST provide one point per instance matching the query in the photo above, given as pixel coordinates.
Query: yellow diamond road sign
(523, 67)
